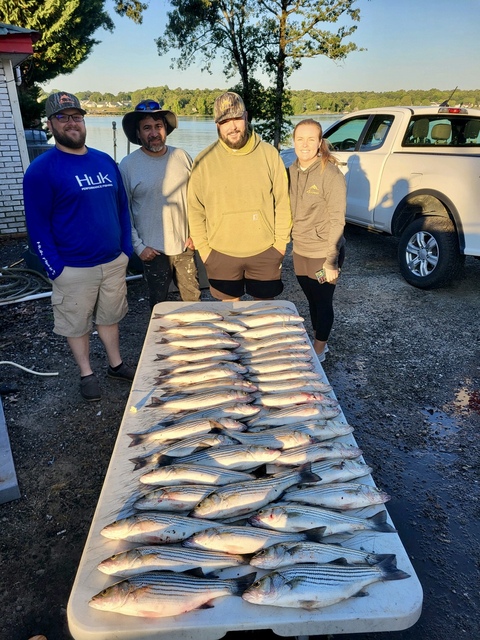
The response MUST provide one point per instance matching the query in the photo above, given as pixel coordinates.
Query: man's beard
(235, 145)
(155, 147)
(68, 142)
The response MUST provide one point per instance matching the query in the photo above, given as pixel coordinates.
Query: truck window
(377, 132)
(441, 130)
(345, 135)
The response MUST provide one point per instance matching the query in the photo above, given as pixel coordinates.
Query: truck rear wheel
(428, 252)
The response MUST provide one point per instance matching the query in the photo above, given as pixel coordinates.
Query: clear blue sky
(411, 44)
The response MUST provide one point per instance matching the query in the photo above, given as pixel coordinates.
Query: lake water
(193, 134)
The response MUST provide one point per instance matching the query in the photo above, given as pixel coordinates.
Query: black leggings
(320, 303)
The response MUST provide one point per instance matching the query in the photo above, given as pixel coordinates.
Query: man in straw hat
(155, 178)
(238, 207)
(78, 221)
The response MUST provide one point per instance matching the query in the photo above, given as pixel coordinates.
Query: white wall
(13, 154)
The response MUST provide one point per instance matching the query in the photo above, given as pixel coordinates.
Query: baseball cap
(130, 120)
(228, 105)
(62, 100)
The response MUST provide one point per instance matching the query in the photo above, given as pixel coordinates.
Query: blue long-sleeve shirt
(76, 210)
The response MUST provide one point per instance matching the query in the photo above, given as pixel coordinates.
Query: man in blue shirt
(79, 224)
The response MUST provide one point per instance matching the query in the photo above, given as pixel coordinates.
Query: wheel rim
(422, 254)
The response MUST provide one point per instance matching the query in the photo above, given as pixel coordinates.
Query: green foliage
(259, 35)
(66, 30)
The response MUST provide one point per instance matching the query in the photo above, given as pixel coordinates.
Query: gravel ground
(405, 365)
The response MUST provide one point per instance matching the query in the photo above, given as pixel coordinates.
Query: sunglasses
(65, 117)
(147, 105)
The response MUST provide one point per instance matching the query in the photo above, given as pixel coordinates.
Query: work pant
(180, 268)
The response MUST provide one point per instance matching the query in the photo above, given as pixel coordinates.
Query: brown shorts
(82, 296)
(258, 276)
(304, 266)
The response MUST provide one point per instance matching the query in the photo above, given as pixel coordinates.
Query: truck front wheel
(428, 252)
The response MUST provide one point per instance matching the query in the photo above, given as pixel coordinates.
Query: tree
(66, 40)
(259, 35)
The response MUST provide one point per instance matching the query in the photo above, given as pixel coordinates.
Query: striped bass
(167, 558)
(195, 377)
(276, 386)
(209, 385)
(272, 342)
(288, 553)
(236, 411)
(339, 495)
(168, 433)
(312, 586)
(298, 351)
(205, 400)
(159, 594)
(291, 398)
(262, 309)
(269, 438)
(237, 457)
(333, 470)
(192, 355)
(229, 325)
(260, 320)
(200, 342)
(294, 517)
(177, 474)
(182, 448)
(153, 527)
(295, 414)
(190, 367)
(320, 430)
(276, 376)
(193, 330)
(279, 365)
(268, 331)
(176, 499)
(242, 540)
(199, 315)
(315, 451)
(243, 497)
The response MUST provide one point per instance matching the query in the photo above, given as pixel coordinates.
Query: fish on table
(161, 594)
(285, 554)
(168, 558)
(315, 451)
(206, 400)
(181, 473)
(236, 456)
(338, 495)
(190, 315)
(175, 499)
(244, 497)
(294, 517)
(313, 586)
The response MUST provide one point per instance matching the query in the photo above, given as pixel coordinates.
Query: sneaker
(90, 389)
(321, 356)
(125, 372)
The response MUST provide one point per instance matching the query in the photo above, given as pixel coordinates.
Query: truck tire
(428, 252)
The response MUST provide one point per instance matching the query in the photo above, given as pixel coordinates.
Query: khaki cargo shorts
(83, 296)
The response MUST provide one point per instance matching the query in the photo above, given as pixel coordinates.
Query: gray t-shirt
(157, 195)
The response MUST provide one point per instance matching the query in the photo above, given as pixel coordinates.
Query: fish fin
(342, 562)
(316, 534)
(197, 572)
(139, 463)
(161, 341)
(243, 582)
(360, 594)
(205, 605)
(308, 604)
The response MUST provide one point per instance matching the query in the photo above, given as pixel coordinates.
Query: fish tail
(239, 585)
(390, 571)
(137, 438)
(377, 558)
(161, 341)
(138, 463)
(165, 460)
(379, 522)
(307, 475)
(160, 356)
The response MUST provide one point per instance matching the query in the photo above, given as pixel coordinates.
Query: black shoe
(124, 372)
(89, 388)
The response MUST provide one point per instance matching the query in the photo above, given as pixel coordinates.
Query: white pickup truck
(414, 173)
